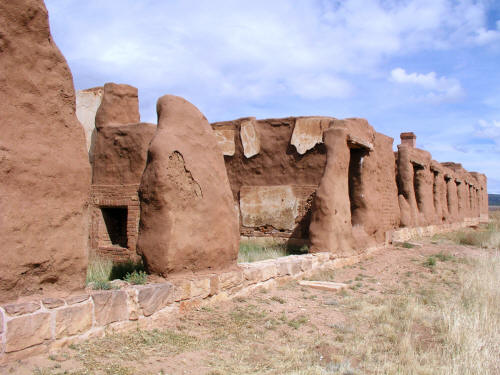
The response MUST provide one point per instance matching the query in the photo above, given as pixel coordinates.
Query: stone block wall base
(406, 234)
(46, 325)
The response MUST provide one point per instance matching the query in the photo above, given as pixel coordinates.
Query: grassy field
(486, 236)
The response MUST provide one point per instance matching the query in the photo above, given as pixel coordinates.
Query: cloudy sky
(428, 66)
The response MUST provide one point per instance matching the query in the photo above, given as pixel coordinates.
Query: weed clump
(430, 262)
(136, 277)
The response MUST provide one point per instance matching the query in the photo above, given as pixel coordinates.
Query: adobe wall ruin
(334, 184)
(118, 160)
(185, 195)
(44, 168)
(276, 166)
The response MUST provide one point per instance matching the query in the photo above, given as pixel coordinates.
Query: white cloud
(484, 36)
(259, 48)
(438, 88)
(489, 130)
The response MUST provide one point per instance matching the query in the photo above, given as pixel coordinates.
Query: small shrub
(430, 262)
(278, 299)
(407, 245)
(297, 322)
(122, 269)
(136, 277)
(443, 257)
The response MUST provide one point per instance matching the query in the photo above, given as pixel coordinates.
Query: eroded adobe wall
(119, 158)
(482, 196)
(356, 203)
(331, 228)
(274, 167)
(188, 221)
(44, 165)
(379, 190)
(87, 104)
(435, 193)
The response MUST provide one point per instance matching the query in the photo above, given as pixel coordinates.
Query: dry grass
(100, 271)
(487, 236)
(251, 251)
(428, 331)
(439, 319)
(446, 324)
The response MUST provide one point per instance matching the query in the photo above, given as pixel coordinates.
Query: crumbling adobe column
(188, 221)
(438, 190)
(483, 197)
(406, 198)
(119, 105)
(444, 198)
(452, 195)
(424, 182)
(461, 197)
(330, 229)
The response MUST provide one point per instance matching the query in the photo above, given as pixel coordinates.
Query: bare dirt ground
(374, 326)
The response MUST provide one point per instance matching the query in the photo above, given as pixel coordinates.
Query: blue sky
(428, 66)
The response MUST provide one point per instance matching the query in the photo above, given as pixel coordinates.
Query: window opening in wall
(417, 169)
(354, 180)
(115, 226)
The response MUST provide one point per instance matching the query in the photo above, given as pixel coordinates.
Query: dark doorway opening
(435, 190)
(355, 184)
(115, 219)
(417, 170)
(448, 199)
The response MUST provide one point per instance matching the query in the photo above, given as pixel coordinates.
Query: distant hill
(494, 199)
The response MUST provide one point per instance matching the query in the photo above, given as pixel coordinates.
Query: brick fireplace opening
(113, 227)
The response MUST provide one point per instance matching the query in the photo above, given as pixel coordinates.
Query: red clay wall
(119, 158)
(272, 170)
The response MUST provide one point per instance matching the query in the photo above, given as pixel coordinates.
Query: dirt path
(286, 330)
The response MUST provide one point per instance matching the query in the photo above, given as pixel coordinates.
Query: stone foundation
(42, 326)
(405, 234)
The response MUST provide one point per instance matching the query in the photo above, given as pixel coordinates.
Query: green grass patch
(101, 271)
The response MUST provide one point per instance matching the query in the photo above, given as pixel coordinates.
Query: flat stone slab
(323, 285)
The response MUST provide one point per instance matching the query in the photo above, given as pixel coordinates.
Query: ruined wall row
(443, 192)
